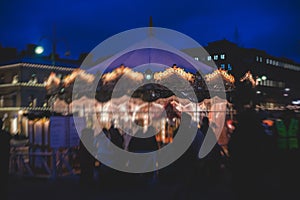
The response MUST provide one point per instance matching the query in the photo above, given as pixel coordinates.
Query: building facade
(277, 78)
(22, 90)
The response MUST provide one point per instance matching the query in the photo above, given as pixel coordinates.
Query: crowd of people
(262, 159)
(185, 171)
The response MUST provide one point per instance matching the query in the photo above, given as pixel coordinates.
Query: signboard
(75, 134)
(64, 133)
(58, 131)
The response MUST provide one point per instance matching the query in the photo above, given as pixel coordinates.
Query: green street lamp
(39, 50)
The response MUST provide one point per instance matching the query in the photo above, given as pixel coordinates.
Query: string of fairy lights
(138, 76)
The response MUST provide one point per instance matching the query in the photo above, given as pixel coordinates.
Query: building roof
(42, 63)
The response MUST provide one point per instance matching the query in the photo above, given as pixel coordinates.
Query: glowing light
(285, 95)
(287, 89)
(52, 79)
(258, 92)
(230, 125)
(39, 50)
(174, 70)
(14, 125)
(122, 70)
(223, 73)
(268, 122)
(297, 102)
(148, 76)
(248, 76)
(78, 73)
(263, 78)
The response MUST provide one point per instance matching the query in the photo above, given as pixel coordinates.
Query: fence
(49, 164)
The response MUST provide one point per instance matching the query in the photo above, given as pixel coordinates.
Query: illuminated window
(15, 79)
(257, 58)
(196, 58)
(208, 58)
(272, 62)
(222, 66)
(215, 57)
(267, 61)
(260, 59)
(229, 67)
(281, 84)
(222, 56)
(14, 125)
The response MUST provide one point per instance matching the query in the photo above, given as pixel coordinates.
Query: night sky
(273, 26)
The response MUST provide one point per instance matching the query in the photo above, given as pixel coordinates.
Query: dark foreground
(131, 187)
(70, 188)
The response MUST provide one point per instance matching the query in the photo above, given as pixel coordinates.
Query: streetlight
(263, 78)
(296, 102)
(40, 49)
(148, 74)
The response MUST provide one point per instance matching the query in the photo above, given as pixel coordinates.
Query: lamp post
(40, 49)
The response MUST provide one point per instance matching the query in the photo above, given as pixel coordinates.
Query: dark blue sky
(273, 26)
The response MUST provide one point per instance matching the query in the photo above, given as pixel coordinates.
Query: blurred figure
(116, 137)
(126, 138)
(247, 149)
(210, 164)
(183, 170)
(140, 143)
(143, 143)
(106, 133)
(204, 125)
(87, 160)
(4, 160)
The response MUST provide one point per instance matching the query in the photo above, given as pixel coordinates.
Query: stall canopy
(148, 51)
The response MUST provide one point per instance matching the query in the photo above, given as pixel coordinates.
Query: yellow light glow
(222, 73)
(248, 76)
(174, 70)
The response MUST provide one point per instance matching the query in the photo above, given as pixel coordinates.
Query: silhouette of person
(140, 143)
(204, 125)
(87, 160)
(210, 164)
(116, 137)
(247, 148)
(184, 168)
(143, 143)
(4, 160)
